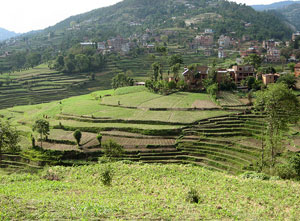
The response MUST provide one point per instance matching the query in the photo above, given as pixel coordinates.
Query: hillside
(289, 10)
(292, 14)
(149, 192)
(5, 34)
(135, 16)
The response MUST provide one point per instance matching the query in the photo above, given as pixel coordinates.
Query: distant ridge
(274, 6)
(5, 34)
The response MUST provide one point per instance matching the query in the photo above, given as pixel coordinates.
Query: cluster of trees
(280, 107)
(79, 60)
(24, 60)
(157, 84)
(165, 87)
(122, 80)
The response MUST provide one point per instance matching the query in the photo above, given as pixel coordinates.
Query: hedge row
(159, 132)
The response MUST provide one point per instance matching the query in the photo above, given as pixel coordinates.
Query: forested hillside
(289, 10)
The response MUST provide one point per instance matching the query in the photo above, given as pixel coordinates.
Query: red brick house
(297, 70)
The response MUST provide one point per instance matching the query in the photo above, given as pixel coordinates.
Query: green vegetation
(144, 192)
(281, 108)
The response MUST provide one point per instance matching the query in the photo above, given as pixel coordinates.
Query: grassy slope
(145, 192)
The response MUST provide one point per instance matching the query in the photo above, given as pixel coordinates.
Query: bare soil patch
(204, 104)
(251, 142)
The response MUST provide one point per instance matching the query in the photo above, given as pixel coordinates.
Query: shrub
(172, 85)
(99, 138)
(77, 135)
(295, 163)
(255, 175)
(112, 149)
(193, 196)
(106, 176)
(285, 171)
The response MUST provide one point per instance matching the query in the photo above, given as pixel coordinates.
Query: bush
(193, 196)
(288, 79)
(112, 149)
(106, 176)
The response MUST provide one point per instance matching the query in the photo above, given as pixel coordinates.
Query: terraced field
(40, 84)
(171, 133)
(147, 135)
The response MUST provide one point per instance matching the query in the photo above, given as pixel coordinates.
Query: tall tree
(42, 127)
(280, 107)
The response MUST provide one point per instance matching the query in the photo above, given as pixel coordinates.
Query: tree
(280, 107)
(9, 138)
(252, 83)
(254, 60)
(33, 59)
(42, 127)
(288, 79)
(77, 135)
(213, 90)
(156, 67)
(175, 69)
(175, 59)
(82, 62)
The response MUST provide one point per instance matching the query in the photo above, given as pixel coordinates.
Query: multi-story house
(241, 72)
(194, 77)
(273, 55)
(224, 41)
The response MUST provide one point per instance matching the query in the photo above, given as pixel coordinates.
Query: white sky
(27, 15)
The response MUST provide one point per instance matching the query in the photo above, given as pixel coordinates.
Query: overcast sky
(26, 15)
